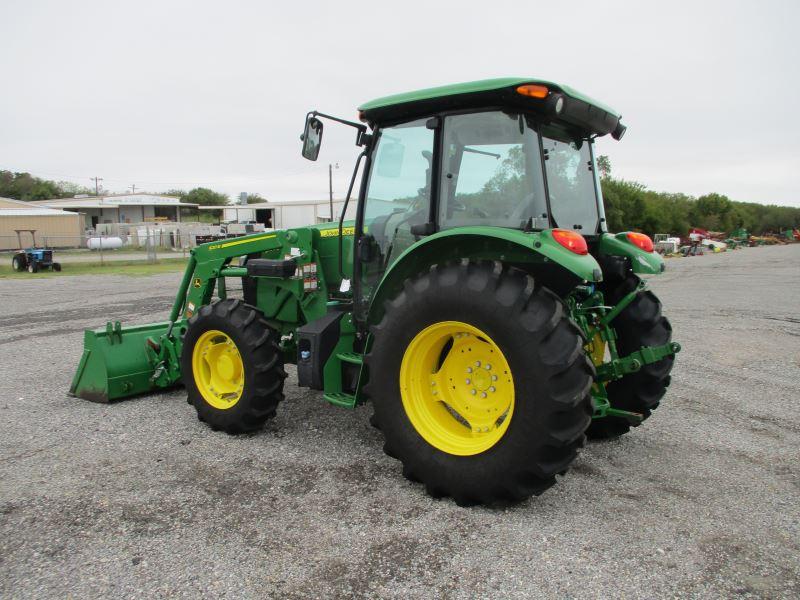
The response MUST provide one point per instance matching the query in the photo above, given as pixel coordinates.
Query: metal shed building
(122, 208)
(284, 214)
(56, 228)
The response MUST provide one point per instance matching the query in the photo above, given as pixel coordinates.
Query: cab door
(397, 202)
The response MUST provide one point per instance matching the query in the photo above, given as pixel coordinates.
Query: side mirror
(312, 138)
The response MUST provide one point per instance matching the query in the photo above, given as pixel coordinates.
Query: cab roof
(580, 110)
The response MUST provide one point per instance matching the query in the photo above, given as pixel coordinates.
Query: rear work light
(533, 91)
(640, 240)
(571, 240)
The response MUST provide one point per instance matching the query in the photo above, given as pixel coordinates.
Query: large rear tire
(480, 383)
(232, 366)
(640, 324)
(19, 262)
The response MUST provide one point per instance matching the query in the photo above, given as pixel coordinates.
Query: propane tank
(106, 243)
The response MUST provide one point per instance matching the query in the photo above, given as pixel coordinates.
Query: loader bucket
(115, 362)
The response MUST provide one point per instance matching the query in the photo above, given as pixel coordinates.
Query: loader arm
(120, 362)
(210, 262)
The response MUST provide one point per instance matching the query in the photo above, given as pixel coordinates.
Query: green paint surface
(483, 85)
(642, 263)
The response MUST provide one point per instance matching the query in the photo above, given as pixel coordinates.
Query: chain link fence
(122, 241)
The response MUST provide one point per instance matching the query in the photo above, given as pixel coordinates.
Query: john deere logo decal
(198, 282)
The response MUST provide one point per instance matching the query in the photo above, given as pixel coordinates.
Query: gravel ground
(139, 499)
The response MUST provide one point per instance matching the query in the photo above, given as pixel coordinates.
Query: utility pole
(133, 188)
(330, 185)
(97, 181)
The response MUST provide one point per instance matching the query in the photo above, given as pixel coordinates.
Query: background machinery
(477, 300)
(34, 259)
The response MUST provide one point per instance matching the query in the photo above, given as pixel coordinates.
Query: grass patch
(134, 268)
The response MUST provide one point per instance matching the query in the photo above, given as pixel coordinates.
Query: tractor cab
(503, 153)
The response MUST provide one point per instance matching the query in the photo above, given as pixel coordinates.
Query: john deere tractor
(477, 300)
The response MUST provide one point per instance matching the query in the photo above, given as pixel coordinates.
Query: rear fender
(535, 249)
(642, 263)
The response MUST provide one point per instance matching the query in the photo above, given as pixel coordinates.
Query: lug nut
(473, 392)
(491, 389)
(488, 367)
(477, 363)
(483, 394)
(468, 381)
(494, 377)
(469, 369)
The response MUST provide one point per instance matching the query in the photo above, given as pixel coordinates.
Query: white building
(284, 214)
(123, 208)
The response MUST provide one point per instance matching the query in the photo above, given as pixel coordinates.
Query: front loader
(477, 300)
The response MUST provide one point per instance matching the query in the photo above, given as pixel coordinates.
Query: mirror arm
(362, 138)
(344, 210)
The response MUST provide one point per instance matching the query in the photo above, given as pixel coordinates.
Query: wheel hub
(457, 388)
(218, 369)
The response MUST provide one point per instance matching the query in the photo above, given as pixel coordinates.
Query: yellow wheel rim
(218, 369)
(457, 388)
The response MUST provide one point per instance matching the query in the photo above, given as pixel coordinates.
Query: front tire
(449, 440)
(33, 267)
(232, 366)
(640, 324)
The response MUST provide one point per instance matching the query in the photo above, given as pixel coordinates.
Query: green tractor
(477, 300)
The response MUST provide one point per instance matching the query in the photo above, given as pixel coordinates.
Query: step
(350, 357)
(340, 399)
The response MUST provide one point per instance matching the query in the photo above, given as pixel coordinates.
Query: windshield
(492, 175)
(570, 182)
(491, 172)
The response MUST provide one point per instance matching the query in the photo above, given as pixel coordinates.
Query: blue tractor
(34, 258)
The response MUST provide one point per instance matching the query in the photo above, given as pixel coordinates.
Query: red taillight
(571, 240)
(641, 241)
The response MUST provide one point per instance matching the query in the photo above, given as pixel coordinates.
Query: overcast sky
(179, 94)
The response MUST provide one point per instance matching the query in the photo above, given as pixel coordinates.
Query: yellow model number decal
(243, 241)
(335, 232)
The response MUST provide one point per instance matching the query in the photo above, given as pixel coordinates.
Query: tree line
(629, 205)
(24, 186)
(207, 197)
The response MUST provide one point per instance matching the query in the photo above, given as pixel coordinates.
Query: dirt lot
(139, 499)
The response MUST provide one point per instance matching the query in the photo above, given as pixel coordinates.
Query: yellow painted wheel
(218, 369)
(457, 388)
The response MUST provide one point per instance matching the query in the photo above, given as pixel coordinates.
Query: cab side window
(399, 190)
